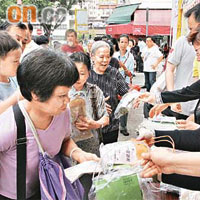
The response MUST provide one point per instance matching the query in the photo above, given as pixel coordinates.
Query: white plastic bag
(189, 195)
(125, 103)
(125, 152)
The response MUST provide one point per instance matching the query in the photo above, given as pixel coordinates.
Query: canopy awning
(137, 29)
(159, 24)
(122, 14)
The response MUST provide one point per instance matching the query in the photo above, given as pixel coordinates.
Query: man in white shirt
(30, 45)
(151, 57)
(141, 44)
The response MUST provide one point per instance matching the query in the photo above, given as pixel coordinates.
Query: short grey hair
(98, 45)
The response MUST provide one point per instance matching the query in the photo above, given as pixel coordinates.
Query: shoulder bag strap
(126, 59)
(21, 153)
(30, 123)
(130, 76)
(94, 106)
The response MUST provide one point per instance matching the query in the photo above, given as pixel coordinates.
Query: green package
(119, 188)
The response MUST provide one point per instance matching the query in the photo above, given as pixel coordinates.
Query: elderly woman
(111, 82)
(45, 79)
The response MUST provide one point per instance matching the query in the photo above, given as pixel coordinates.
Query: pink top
(51, 140)
(69, 50)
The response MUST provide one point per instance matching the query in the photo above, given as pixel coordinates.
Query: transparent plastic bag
(154, 190)
(125, 152)
(120, 163)
(121, 183)
(153, 124)
(125, 103)
(78, 109)
(189, 194)
(169, 188)
(150, 190)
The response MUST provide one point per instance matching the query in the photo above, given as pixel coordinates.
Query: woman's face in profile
(130, 44)
(101, 59)
(83, 75)
(57, 103)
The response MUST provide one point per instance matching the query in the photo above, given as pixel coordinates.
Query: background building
(99, 12)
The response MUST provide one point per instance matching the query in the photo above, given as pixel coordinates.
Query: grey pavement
(135, 116)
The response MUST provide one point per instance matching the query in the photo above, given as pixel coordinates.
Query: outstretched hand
(85, 156)
(176, 107)
(157, 109)
(145, 97)
(157, 161)
(82, 156)
(187, 124)
(84, 124)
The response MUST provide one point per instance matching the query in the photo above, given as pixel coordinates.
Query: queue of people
(41, 80)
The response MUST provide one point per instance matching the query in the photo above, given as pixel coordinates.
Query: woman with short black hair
(45, 78)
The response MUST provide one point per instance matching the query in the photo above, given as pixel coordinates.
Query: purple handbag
(53, 183)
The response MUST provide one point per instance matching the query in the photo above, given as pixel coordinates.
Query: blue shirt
(128, 61)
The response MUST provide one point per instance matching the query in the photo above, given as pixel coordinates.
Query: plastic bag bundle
(125, 152)
(154, 190)
(189, 194)
(120, 184)
(164, 119)
(120, 163)
(169, 188)
(159, 123)
(78, 110)
(125, 103)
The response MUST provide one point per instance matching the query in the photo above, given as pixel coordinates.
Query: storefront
(135, 21)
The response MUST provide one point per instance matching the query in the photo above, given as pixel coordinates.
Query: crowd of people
(43, 80)
(178, 168)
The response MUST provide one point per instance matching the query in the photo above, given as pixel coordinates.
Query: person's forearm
(188, 170)
(191, 118)
(188, 182)
(67, 148)
(187, 140)
(188, 93)
(4, 105)
(104, 121)
(169, 77)
(186, 163)
(159, 60)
